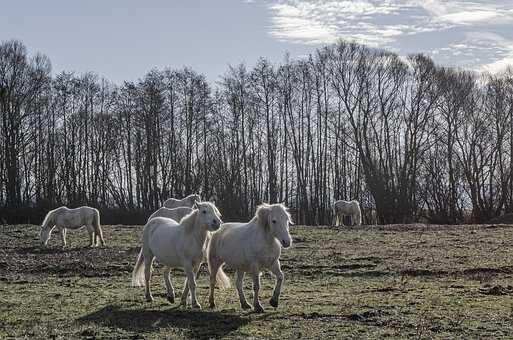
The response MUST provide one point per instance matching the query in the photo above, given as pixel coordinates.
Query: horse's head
(276, 218)
(208, 215)
(46, 228)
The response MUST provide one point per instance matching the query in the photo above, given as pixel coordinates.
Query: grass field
(368, 282)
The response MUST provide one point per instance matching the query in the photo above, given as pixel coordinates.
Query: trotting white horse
(176, 214)
(184, 202)
(346, 208)
(64, 218)
(176, 245)
(250, 248)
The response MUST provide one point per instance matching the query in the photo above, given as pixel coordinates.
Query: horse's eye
(274, 221)
(204, 211)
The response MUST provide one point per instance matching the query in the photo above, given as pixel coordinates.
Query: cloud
(451, 31)
(470, 17)
(291, 23)
(315, 22)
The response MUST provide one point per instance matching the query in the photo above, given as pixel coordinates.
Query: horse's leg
(186, 286)
(276, 270)
(63, 236)
(92, 240)
(239, 277)
(191, 282)
(214, 268)
(95, 234)
(148, 262)
(169, 285)
(256, 288)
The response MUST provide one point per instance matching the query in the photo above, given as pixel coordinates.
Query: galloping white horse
(184, 202)
(64, 218)
(250, 248)
(346, 208)
(176, 214)
(176, 245)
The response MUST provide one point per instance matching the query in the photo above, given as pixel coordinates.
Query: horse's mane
(188, 220)
(48, 218)
(192, 197)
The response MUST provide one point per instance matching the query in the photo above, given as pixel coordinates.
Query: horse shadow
(197, 324)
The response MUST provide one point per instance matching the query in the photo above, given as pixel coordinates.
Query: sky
(122, 40)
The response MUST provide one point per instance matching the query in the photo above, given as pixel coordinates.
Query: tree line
(407, 138)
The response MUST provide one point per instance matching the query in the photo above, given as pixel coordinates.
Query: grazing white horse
(184, 202)
(250, 248)
(347, 208)
(176, 214)
(64, 218)
(176, 245)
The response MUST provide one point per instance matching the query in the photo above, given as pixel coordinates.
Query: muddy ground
(367, 282)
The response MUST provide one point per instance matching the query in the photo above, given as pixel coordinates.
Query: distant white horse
(250, 248)
(64, 218)
(176, 214)
(184, 202)
(176, 245)
(347, 208)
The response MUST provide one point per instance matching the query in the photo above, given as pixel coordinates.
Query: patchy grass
(374, 282)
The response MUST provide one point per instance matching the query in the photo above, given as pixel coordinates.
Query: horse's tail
(96, 219)
(358, 214)
(138, 272)
(222, 279)
(334, 213)
(97, 227)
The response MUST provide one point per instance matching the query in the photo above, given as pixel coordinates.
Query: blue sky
(122, 40)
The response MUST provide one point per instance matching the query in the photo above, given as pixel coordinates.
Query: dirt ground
(398, 281)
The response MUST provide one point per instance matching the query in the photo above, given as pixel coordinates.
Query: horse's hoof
(259, 309)
(212, 305)
(196, 306)
(171, 298)
(149, 298)
(273, 303)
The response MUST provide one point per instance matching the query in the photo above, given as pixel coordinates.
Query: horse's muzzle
(285, 243)
(214, 226)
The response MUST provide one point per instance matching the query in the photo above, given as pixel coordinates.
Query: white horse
(176, 245)
(176, 214)
(64, 218)
(250, 248)
(347, 208)
(184, 202)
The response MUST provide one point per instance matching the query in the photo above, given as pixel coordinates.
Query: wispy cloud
(293, 23)
(325, 21)
(451, 31)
